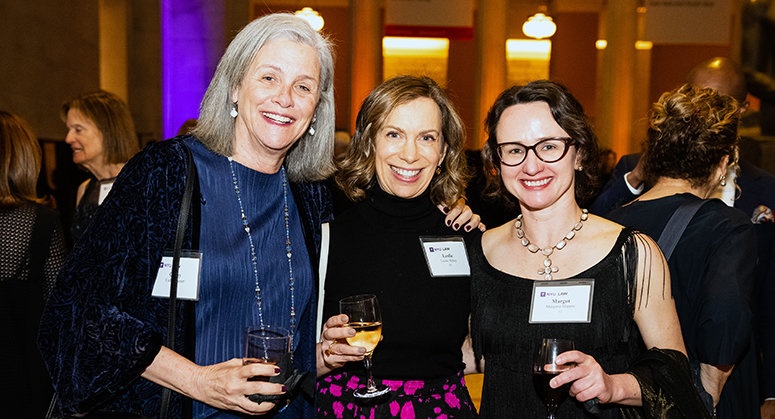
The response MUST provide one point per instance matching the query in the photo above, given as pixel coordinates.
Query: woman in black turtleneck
(406, 157)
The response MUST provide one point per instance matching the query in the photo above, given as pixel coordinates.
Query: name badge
(104, 189)
(188, 276)
(446, 256)
(568, 301)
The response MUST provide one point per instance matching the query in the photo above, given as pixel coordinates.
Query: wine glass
(544, 369)
(365, 318)
(265, 345)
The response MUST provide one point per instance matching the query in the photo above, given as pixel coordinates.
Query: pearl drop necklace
(548, 269)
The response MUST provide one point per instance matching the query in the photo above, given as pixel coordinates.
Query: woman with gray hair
(264, 140)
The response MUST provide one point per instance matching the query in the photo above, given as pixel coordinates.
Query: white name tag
(104, 189)
(188, 277)
(568, 301)
(446, 256)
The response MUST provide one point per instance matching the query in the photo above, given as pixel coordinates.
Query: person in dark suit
(756, 189)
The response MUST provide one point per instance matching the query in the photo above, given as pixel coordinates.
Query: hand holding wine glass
(545, 368)
(364, 316)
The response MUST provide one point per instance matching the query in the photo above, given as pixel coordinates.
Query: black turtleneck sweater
(375, 249)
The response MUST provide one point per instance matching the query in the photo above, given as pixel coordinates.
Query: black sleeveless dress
(502, 335)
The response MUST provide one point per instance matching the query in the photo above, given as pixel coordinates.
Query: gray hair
(311, 158)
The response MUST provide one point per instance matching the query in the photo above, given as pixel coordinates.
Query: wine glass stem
(367, 364)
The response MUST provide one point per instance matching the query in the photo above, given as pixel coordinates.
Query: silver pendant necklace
(548, 268)
(253, 257)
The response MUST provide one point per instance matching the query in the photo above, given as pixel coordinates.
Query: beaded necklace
(254, 259)
(548, 269)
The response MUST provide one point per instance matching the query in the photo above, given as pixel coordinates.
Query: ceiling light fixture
(539, 26)
(312, 17)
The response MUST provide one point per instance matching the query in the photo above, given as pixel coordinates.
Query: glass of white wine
(365, 318)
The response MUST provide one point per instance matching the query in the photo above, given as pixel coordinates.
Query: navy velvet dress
(101, 328)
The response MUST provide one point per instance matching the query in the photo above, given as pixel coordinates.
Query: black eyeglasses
(549, 150)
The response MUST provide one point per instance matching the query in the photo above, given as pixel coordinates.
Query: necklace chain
(253, 257)
(548, 268)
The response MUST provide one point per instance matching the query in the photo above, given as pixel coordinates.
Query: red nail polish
(277, 370)
(449, 223)
(284, 390)
(457, 226)
(468, 228)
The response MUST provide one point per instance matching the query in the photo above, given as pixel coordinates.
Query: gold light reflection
(418, 47)
(416, 56)
(639, 45)
(527, 60)
(643, 45)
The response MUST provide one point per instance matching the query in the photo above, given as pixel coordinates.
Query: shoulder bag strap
(677, 225)
(324, 239)
(185, 207)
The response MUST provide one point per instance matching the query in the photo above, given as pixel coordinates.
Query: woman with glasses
(691, 140)
(558, 272)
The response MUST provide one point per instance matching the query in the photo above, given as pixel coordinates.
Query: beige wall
(49, 52)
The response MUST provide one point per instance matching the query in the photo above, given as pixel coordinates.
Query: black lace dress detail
(32, 250)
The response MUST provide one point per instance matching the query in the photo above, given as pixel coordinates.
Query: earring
(311, 129)
(438, 170)
(723, 180)
(580, 168)
(233, 112)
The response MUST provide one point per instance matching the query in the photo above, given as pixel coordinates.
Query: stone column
(366, 54)
(616, 81)
(490, 35)
(113, 47)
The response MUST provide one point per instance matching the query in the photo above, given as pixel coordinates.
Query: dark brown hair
(20, 156)
(569, 115)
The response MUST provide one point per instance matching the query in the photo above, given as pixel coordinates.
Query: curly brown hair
(691, 129)
(569, 115)
(357, 170)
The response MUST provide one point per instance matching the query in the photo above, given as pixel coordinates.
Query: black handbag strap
(677, 225)
(185, 207)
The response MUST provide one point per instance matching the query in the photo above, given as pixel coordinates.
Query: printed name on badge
(188, 277)
(564, 301)
(446, 256)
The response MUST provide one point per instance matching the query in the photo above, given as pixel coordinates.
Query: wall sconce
(312, 17)
(539, 26)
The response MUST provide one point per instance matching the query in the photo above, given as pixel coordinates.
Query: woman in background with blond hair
(31, 252)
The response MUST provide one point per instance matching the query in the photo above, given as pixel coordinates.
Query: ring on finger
(330, 351)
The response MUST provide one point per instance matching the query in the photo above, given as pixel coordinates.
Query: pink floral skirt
(444, 398)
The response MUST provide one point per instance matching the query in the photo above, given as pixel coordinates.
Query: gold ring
(330, 351)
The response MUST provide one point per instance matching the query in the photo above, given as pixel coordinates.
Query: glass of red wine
(544, 369)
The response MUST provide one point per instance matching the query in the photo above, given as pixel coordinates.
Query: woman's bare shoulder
(494, 237)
